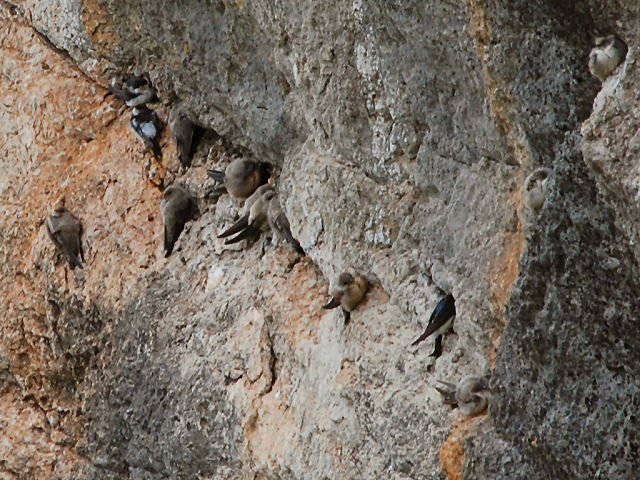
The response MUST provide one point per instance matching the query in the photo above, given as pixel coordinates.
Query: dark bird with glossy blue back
(439, 322)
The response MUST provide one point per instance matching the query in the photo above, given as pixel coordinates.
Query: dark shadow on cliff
(152, 404)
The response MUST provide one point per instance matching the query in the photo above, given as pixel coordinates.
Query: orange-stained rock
(452, 454)
(394, 155)
(62, 138)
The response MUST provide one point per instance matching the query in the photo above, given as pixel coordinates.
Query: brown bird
(348, 294)
(177, 208)
(536, 188)
(471, 394)
(182, 129)
(609, 52)
(65, 230)
(242, 176)
(280, 223)
(256, 220)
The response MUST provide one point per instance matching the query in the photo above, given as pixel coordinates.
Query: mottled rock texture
(400, 133)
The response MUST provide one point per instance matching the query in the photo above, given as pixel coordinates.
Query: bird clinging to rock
(255, 219)
(147, 127)
(609, 52)
(182, 129)
(135, 91)
(242, 176)
(439, 322)
(177, 208)
(262, 211)
(65, 230)
(471, 394)
(536, 188)
(348, 293)
(280, 223)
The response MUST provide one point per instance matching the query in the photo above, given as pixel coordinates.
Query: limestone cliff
(400, 133)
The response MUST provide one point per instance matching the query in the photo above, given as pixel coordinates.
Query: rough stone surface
(400, 134)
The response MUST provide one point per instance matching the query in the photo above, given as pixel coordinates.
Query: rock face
(399, 134)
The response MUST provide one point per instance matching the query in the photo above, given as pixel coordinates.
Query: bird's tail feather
(73, 259)
(248, 232)
(155, 146)
(420, 339)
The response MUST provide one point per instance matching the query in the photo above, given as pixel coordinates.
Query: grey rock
(402, 132)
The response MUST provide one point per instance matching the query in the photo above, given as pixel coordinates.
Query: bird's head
(345, 279)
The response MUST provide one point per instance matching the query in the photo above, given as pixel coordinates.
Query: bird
(348, 293)
(536, 187)
(279, 223)
(243, 222)
(439, 322)
(135, 91)
(609, 52)
(177, 208)
(65, 230)
(255, 220)
(182, 129)
(242, 176)
(471, 394)
(147, 127)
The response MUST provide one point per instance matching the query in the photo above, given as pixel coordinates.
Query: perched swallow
(242, 176)
(65, 230)
(243, 222)
(182, 129)
(136, 90)
(348, 294)
(147, 127)
(177, 208)
(251, 224)
(280, 224)
(471, 394)
(536, 187)
(608, 53)
(439, 322)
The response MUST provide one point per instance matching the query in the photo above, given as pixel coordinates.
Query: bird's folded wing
(240, 225)
(332, 304)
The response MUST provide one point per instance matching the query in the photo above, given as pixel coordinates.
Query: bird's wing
(64, 241)
(171, 235)
(184, 137)
(168, 244)
(438, 318)
(155, 146)
(282, 225)
(80, 252)
(240, 225)
(335, 302)
(248, 232)
(421, 337)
